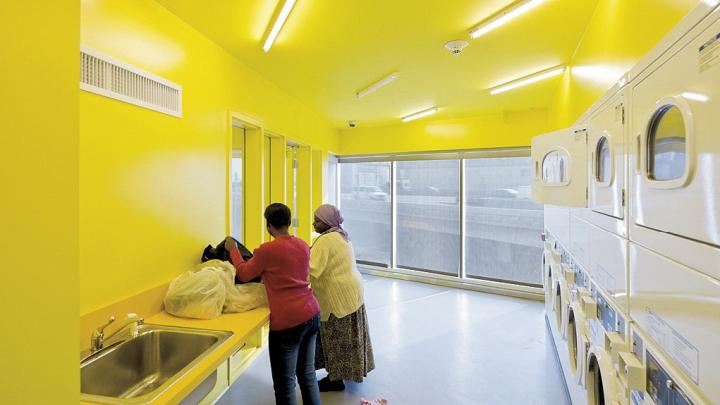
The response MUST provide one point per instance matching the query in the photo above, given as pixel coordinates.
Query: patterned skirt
(344, 347)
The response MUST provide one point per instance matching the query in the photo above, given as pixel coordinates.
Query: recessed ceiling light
(510, 13)
(524, 81)
(420, 114)
(377, 85)
(279, 22)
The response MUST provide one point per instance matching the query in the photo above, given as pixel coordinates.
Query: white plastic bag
(244, 297)
(238, 298)
(198, 295)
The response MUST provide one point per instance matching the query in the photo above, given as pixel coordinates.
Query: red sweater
(284, 265)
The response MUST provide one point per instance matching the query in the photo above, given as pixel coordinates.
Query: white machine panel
(676, 153)
(606, 145)
(557, 221)
(608, 264)
(679, 309)
(579, 246)
(560, 169)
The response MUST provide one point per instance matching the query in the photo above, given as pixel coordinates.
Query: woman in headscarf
(344, 348)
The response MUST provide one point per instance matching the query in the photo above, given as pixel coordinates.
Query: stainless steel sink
(138, 369)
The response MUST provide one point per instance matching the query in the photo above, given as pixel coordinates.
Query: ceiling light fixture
(279, 22)
(524, 81)
(510, 13)
(420, 114)
(377, 85)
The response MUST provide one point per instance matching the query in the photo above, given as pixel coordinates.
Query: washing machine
(577, 331)
(561, 297)
(559, 169)
(675, 158)
(679, 309)
(608, 339)
(546, 271)
(606, 143)
(650, 377)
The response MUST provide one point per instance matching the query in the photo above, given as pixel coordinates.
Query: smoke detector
(456, 47)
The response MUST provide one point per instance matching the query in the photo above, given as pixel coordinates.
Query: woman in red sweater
(284, 265)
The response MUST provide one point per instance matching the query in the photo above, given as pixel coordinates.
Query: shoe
(327, 385)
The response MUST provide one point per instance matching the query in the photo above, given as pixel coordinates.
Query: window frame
(461, 156)
(606, 137)
(568, 178)
(661, 106)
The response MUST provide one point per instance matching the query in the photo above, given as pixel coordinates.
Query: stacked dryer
(632, 253)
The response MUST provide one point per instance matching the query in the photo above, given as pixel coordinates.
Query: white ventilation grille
(112, 78)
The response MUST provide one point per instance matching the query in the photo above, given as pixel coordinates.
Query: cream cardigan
(334, 277)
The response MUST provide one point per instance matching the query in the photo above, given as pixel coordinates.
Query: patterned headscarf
(331, 216)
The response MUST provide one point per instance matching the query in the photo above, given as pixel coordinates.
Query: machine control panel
(661, 387)
(610, 320)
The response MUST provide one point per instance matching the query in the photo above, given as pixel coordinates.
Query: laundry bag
(199, 294)
(238, 298)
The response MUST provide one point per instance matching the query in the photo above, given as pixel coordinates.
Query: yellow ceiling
(328, 50)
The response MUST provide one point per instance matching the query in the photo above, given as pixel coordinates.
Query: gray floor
(437, 345)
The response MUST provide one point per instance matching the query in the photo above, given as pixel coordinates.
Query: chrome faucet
(97, 340)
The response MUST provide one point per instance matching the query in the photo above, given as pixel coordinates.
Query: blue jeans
(292, 353)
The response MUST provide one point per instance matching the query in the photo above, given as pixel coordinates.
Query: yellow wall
(39, 204)
(487, 131)
(619, 34)
(152, 187)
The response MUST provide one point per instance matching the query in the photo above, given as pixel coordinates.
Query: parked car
(370, 193)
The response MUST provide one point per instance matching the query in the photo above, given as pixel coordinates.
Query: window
(236, 188)
(428, 215)
(292, 175)
(365, 204)
(666, 144)
(332, 179)
(555, 168)
(603, 165)
(502, 223)
(407, 212)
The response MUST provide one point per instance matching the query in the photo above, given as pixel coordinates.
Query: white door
(676, 157)
(606, 144)
(560, 168)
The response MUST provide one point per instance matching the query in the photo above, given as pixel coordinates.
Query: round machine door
(601, 382)
(578, 342)
(560, 306)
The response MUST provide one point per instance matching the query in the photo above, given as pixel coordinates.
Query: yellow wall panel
(153, 188)
(39, 221)
(619, 34)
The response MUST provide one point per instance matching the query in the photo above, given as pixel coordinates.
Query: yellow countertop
(242, 325)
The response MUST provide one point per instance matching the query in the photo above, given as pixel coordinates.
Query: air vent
(109, 77)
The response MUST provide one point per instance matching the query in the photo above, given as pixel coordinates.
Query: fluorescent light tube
(420, 114)
(279, 22)
(516, 10)
(524, 81)
(377, 85)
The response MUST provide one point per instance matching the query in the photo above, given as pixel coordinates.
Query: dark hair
(278, 215)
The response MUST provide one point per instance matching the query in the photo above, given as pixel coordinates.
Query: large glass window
(502, 223)
(428, 215)
(666, 144)
(236, 187)
(416, 223)
(365, 204)
(236, 183)
(332, 180)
